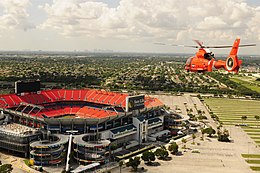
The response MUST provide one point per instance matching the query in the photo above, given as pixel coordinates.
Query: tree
(41, 169)
(121, 163)
(134, 163)
(257, 117)
(202, 134)
(184, 142)
(173, 148)
(210, 131)
(223, 136)
(202, 117)
(193, 138)
(148, 156)
(243, 118)
(6, 168)
(161, 153)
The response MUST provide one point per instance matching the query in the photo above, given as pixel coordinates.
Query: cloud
(15, 15)
(152, 19)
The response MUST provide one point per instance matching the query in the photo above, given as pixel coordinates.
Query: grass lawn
(251, 85)
(253, 161)
(230, 111)
(255, 168)
(250, 156)
(253, 137)
(253, 134)
(252, 130)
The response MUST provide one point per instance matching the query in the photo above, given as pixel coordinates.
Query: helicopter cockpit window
(188, 61)
(208, 56)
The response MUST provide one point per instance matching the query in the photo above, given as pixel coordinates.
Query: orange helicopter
(204, 59)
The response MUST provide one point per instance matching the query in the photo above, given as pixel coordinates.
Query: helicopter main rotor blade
(242, 45)
(202, 46)
(217, 46)
(247, 45)
(181, 45)
(199, 43)
(160, 44)
(163, 44)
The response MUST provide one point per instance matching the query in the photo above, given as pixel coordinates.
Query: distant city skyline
(127, 25)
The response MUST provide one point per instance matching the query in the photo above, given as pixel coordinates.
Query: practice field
(230, 112)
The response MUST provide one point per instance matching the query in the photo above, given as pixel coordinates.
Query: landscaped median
(176, 139)
(126, 156)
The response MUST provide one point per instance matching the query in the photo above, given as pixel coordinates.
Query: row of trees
(6, 168)
(223, 135)
(149, 157)
(244, 117)
(239, 89)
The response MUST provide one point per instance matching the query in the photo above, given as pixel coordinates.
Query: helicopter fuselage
(204, 60)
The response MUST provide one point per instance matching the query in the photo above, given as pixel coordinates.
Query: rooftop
(17, 129)
(90, 103)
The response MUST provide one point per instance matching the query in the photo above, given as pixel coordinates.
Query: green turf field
(255, 168)
(230, 112)
(253, 85)
(251, 156)
(252, 159)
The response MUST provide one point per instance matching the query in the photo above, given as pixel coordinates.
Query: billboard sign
(134, 102)
(21, 87)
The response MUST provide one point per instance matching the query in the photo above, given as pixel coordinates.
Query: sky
(128, 25)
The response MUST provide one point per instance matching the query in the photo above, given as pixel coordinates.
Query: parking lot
(213, 156)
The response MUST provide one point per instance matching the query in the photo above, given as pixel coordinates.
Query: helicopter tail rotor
(232, 63)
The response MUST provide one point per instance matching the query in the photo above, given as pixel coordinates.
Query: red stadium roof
(86, 95)
(152, 102)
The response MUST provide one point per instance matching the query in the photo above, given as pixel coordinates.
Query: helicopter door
(188, 61)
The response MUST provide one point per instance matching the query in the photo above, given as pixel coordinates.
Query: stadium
(38, 123)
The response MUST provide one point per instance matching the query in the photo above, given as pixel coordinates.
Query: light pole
(248, 151)
(1, 104)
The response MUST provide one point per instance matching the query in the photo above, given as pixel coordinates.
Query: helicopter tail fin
(232, 62)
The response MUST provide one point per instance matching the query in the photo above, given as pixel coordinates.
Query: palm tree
(193, 138)
(202, 135)
(184, 142)
(257, 117)
(243, 118)
(121, 163)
